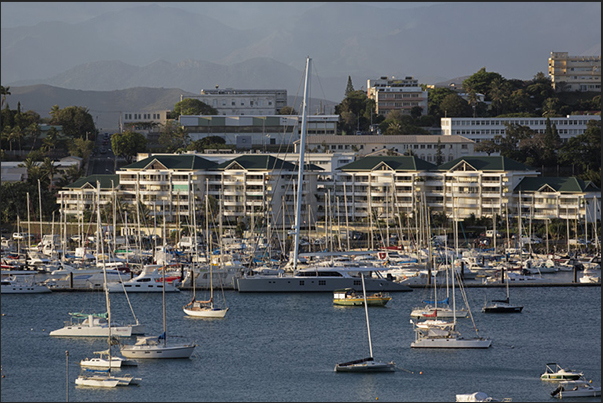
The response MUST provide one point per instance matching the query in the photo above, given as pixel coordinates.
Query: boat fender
(556, 391)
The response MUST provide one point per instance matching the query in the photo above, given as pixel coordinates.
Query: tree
(76, 121)
(4, 91)
(584, 151)
(82, 148)
(509, 143)
(551, 143)
(352, 111)
(49, 170)
(416, 112)
(54, 114)
(480, 82)
(34, 132)
(349, 88)
(191, 106)
(287, 110)
(486, 146)
(439, 156)
(128, 144)
(173, 138)
(435, 98)
(550, 107)
(455, 106)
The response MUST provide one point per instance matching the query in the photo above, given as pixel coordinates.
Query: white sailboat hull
(94, 331)
(206, 312)
(160, 351)
(96, 381)
(451, 343)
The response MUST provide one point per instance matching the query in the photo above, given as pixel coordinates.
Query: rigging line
(319, 82)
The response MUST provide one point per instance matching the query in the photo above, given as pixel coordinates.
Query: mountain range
(155, 46)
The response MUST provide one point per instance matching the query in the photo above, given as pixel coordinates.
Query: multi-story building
(143, 121)
(257, 130)
(244, 102)
(263, 186)
(423, 146)
(392, 94)
(480, 129)
(575, 73)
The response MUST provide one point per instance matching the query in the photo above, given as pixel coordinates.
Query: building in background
(423, 146)
(480, 129)
(391, 94)
(575, 73)
(257, 130)
(244, 102)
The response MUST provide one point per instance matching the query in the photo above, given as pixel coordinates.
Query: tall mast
(300, 175)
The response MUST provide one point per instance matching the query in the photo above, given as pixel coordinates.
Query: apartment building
(392, 94)
(423, 146)
(480, 129)
(262, 186)
(231, 101)
(257, 130)
(575, 73)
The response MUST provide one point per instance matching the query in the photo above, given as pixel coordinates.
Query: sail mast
(368, 328)
(300, 175)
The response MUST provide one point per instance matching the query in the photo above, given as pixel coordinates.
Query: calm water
(283, 347)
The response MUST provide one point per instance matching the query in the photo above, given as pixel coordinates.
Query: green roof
(90, 181)
(256, 163)
(496, 163)
(396, 163)
(558, 184)
(178, 162)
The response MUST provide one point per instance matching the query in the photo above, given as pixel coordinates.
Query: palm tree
(4, 92)
(54, 114)
(50, 170)
(34, 132)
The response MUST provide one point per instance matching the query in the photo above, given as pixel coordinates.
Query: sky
(15, 14)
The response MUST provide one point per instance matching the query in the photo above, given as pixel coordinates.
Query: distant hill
(150, 45)
(106, 106)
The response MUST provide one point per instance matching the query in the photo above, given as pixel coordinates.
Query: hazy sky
(16, 14)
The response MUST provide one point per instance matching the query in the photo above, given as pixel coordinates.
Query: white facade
(423, 146)
(575, 73)
(480, 129)
(256, 130)
(244, 102)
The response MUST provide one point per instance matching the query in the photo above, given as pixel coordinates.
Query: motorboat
(479, 397)
(590, 276)
(13, 286)
(576, 388)
(554, 372)
(149, 280)
(106, 360)
(350, 297)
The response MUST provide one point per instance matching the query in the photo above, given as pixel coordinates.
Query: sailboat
(502, 305)
(367, 364)
(158, 347)
(205, 309)
(314, 278)
(104, 378)
(442, 334)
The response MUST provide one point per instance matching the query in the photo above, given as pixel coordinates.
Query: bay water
(284, 347)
